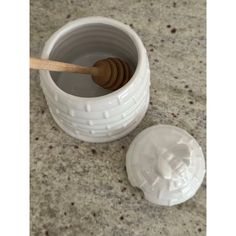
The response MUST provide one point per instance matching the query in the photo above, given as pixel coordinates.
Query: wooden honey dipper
(109, 73)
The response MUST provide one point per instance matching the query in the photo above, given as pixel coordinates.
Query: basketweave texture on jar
(79, 106)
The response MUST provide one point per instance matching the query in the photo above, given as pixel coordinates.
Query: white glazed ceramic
(79, 106)
(166, 163)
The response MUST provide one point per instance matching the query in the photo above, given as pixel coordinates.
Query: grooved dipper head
(113, 73)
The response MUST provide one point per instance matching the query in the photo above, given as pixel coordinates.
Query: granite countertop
(79, 188)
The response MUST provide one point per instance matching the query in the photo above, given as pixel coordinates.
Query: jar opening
(85, 45)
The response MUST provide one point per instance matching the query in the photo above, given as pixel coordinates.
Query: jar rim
(141, 52)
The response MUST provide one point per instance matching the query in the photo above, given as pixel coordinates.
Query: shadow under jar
(80, 107)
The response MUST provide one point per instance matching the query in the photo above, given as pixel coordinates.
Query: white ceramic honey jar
(79, 106)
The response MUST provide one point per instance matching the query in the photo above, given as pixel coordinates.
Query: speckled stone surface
(78, 188)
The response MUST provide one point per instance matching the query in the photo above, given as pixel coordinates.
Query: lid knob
(165, 165)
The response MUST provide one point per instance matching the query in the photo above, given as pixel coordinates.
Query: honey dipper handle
(44, 64)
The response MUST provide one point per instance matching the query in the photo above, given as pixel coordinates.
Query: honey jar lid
(166, 163)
